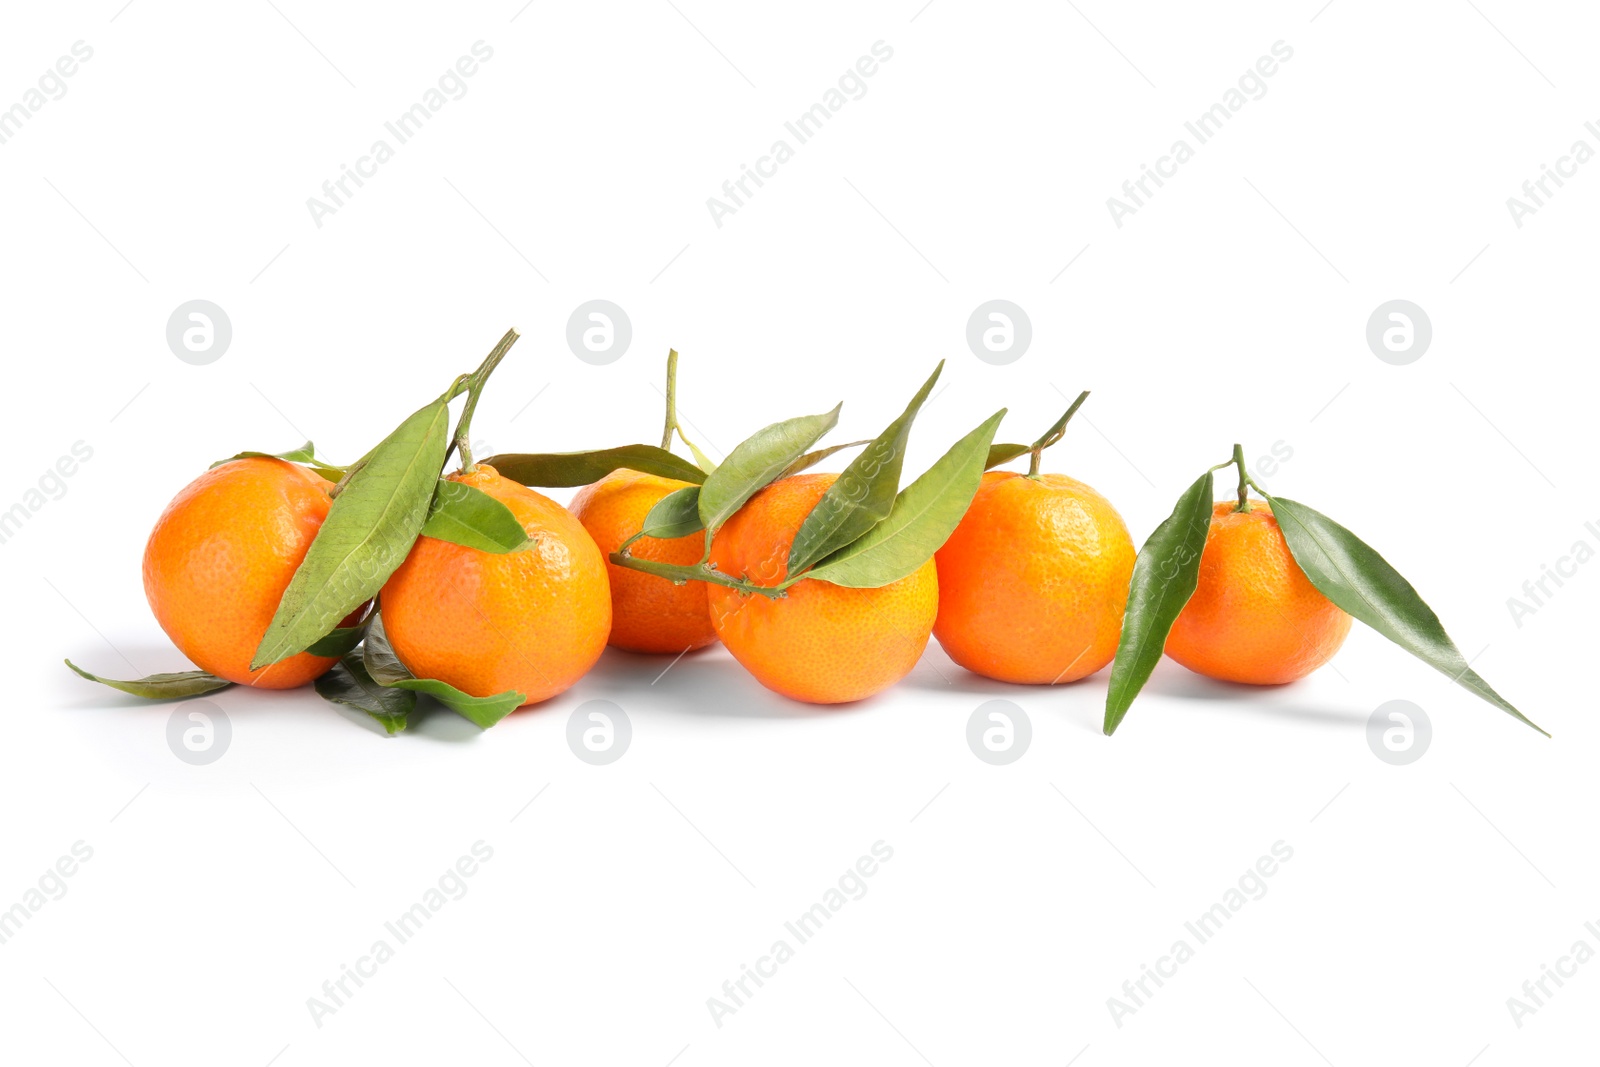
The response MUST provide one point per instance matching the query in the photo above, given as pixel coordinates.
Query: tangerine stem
(1052, 435)
(672, 399)
(1244, 479)
(475, 384)
(699, 572)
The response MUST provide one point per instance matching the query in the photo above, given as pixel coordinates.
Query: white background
(977, 166)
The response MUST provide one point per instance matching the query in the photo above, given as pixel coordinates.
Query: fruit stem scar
(474, 387)
(1052, 435)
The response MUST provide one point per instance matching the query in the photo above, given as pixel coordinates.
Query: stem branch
(699, 572)
(474, 387)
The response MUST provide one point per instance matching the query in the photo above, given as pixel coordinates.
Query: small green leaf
(1350, 573)
(863, 495)
(339, 641)
(368, 532)
(1164, 578)
(703, 461)
(565, 470)
(924, 516)
(811, 459)
(999, 454)
(160, 686)
(675, 515)
(385, 668)
(465, 515)
(756, 461)
(306, 454)
(349, 683)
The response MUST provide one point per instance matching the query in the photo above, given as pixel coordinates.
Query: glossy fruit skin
(1255, 617)
(1033, 583)
(533, 621)
(220, 557)
(648, 614)
(822, 644)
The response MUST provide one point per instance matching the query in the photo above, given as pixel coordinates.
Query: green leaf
(369, 530)
(924, 516)
(565, 470)
(703, 461)
(811, 459)
(339, 641)
(675, 515)
(465, 515)
(863, 495)
(1350, 573)
(756, 461)
(999, 454)
(1164, 578)
(385, 668)
(160, 686)
(349, 683)
(306, 454)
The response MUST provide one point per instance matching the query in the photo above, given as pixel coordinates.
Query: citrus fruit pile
(389, 578)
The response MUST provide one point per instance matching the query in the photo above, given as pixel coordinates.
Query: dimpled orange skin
(1255, 617)
(533, 621)
(823, 643)
(221, 556)
(647, 613)
(1033, 583)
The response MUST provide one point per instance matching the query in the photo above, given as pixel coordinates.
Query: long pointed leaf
(999, 454)
(757, 461)
(1164, 578)
(465, 515)
(924, 516)
(366, 536)
(565, 470)
(863, 495)
(1347, 571)
(675, 515)
(385, 668)
(160, 686)
(306, 454)
(349, 683)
